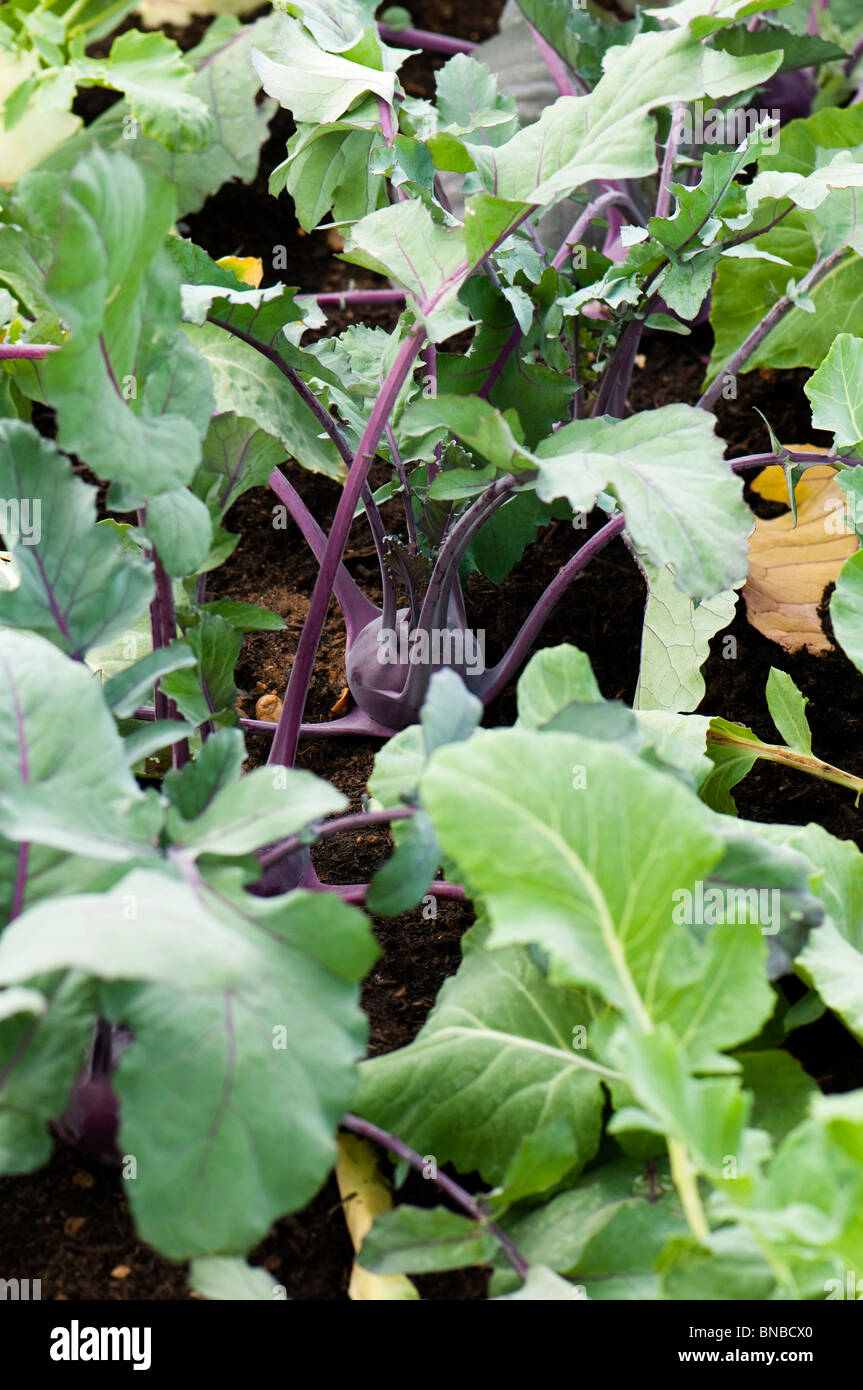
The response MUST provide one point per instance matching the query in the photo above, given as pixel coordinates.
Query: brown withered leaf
(790, 567)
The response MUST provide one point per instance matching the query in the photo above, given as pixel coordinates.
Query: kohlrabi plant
(178, 989)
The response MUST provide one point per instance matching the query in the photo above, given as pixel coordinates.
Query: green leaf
(432, 262)
(788, 711)
(704, 17)
(225, 1277)
(836, 392)
(78, 586)
(259, 1079)
(614, 848)
(150, 926)
(191, 788)
(605, 1233)
(38, 1065)
(407, 876)
(544, 1285)
(553, 679)
(226, 83)
(89, 803)
(421, 1240)
(133, 397)
(264, 806)
(237, 455)
(745, 290)
(253, 388)
(207, 692)
(832, 959)
(245, 617)
(781, 1088)
(732, 761)
(675, 641)
(149, 69)
(125, 691)
(180, 528)
(153, 736)
(502, 1053)
(312, 84)
(695, 520)
(846, 609)
(610, 133)
(450, 713)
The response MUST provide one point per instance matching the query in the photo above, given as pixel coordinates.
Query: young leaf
(312, 84)
(125, 691)
(79, 587)
(265, 805)
(788, 710)
(180, 528)
(836, 392)
(208, 691)
(553, 679)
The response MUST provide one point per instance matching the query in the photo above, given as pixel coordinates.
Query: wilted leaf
(790, 567)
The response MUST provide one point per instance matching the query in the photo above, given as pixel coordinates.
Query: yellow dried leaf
(365, 1194)
(790, 567)
(249, 269)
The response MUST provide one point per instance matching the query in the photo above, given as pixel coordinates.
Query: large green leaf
(226, 83)
(258, 1078)
(78, 586)
(745, 290)
(605, 1233)
(133, 397)
(150, 926)
(149, 69)
(692, 518)
(502, 1055)
(610, 133)
(88, 803)
(608, 849)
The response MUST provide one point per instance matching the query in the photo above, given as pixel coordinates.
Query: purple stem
(358, 611)
(284, 745)
(26, 352)
(424, 38)
(473, 1206)
(386, 115)
(492, 682)
(573, 236)
(164, 630)
(357, 820)
(348, 297)
(663, 201)
(564, 80)
(356, 724)
(774, 316)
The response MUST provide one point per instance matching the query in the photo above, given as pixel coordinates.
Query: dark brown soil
(69, 1224)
